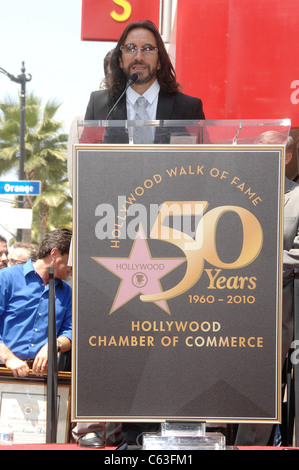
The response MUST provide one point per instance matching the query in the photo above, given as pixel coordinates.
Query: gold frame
(179, 147)
(25, 388)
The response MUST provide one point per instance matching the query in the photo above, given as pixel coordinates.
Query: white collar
(150, 94)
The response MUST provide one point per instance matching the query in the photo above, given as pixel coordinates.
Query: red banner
(240, 57)
(105, 20)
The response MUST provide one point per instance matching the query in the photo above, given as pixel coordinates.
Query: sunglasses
(147, 49)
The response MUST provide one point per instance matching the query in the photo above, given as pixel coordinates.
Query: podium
(177, 266)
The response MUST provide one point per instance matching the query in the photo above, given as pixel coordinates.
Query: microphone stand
(235, 139)
(131, 80)
(51, 435)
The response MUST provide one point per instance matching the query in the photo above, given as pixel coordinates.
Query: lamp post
(22, 80)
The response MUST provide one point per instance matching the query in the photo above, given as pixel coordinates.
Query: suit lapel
(165, 106)
(164, 110)
(120, 112)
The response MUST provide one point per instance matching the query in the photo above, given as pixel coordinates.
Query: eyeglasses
(147, 49)
(13, 262)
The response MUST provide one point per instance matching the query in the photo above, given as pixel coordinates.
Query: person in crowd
(3, 252)
(21, 253)
(107, 70)
(24, 303)
(141, 51)
(262, 434)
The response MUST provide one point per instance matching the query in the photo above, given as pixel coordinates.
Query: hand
(18, 367)
(40, 364)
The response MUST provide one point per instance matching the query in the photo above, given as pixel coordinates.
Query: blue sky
(46, 35)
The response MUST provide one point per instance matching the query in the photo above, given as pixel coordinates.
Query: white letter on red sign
(294, 95)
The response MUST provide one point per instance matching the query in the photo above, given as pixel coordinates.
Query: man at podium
(142, 86)
(141, 66)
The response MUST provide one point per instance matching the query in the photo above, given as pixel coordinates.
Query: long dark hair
(166, 75)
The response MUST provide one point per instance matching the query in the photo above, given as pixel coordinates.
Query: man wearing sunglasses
(141, 51)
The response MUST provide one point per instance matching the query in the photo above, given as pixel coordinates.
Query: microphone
(132, 79)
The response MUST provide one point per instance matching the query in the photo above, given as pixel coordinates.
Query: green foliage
(45, 160)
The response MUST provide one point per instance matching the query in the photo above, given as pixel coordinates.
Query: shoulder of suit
(100, 93)
(101, 98)
(291, 186)
(188, 96)
(179, 95)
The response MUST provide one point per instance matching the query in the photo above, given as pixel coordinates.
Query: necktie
(142, 134)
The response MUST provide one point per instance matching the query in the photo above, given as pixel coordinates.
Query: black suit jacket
(170, 107)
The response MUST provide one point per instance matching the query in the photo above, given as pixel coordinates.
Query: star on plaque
(140, 273)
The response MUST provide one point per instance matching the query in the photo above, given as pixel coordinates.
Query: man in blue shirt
(24, 301)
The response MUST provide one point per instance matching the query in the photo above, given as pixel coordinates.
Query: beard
(142, 80)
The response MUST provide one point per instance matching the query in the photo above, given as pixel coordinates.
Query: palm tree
(46, 161)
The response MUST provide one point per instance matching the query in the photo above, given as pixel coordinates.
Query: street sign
(21, 188)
